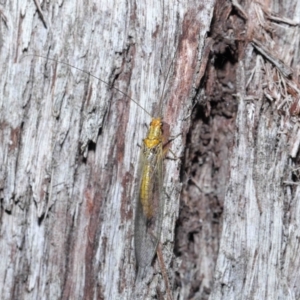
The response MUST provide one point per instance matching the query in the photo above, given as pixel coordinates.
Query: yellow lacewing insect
(150, 200)
(149, 195)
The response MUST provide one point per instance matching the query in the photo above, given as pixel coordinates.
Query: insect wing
(148, 218)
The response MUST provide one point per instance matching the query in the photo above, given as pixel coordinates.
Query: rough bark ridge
(242, 156)
(258, 248)
(69, 143)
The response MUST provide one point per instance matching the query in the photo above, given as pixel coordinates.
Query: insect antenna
(163, 90)
(90, 74)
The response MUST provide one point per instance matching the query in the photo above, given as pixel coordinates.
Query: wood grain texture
(69, 143)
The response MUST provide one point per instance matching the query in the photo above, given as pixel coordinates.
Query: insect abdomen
(145, 191)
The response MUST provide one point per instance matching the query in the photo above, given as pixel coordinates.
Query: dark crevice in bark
(206, 162)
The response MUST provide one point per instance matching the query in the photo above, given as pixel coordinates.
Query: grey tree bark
(70, 146)
(70, 143)
(258, 256)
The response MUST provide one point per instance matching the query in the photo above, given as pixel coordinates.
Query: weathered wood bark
(70, 148)
(258, 256)
(69, 143)
(243, 156)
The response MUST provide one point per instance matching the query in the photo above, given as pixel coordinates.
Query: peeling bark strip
(67, 216)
